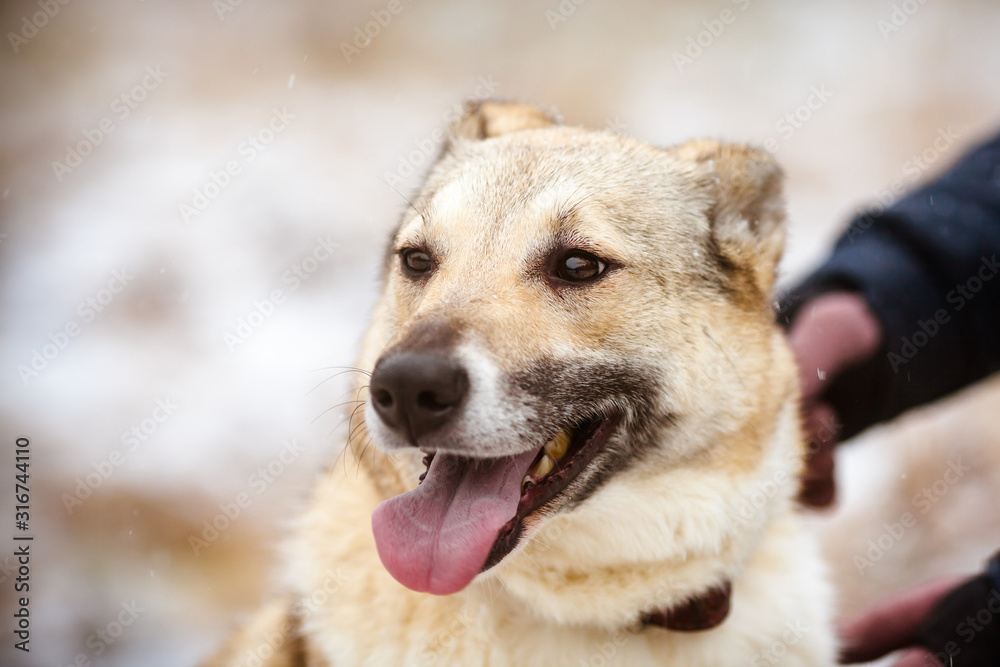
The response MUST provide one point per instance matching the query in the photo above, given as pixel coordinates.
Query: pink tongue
(436, 538)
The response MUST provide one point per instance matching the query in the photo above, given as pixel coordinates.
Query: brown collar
(701, 613)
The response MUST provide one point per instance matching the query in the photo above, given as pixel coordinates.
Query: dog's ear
(747, 211)
(482, 120)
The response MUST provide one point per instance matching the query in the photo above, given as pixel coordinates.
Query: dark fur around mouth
(586, 443)
(610, 411)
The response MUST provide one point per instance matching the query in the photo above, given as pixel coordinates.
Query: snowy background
(194, 202)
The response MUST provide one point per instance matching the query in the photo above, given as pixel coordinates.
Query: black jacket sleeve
(963, 629)
(928, 267)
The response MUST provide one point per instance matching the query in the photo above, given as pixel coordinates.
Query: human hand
(832, 332)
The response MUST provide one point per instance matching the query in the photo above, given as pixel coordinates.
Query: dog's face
(553, 299)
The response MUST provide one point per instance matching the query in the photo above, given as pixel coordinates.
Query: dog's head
(563, 309)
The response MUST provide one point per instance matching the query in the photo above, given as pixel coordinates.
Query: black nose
(417, 392)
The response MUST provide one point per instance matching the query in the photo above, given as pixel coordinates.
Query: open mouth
(560, 461)
(468, 514)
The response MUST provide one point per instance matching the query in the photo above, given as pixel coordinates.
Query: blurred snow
(320, 182)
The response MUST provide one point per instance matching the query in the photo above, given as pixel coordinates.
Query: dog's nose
(417, 392)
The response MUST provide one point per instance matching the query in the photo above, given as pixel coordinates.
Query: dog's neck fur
(689, 547)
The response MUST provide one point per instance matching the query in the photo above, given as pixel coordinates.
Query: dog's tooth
(526, 482)
(543, 467)
(557, 446)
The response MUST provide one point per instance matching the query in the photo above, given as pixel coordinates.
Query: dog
(585, 422)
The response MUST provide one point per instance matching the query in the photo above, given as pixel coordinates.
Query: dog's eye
(415, 262)
(579, 266)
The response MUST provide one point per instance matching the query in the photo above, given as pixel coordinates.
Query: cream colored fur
(711, 501)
